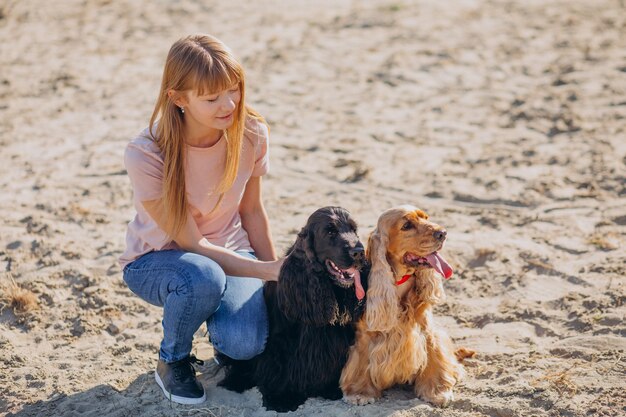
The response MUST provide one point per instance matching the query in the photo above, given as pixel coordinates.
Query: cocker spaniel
(313, 310)
(397, 340)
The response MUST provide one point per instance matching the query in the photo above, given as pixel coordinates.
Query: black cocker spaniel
(313, 309)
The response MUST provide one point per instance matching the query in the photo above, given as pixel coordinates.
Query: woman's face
(213, 111)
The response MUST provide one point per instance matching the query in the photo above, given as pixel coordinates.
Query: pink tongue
(358, 288)
(436, 261)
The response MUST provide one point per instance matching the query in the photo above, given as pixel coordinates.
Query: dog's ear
(382, 308)
(305, 243)
(304, 296)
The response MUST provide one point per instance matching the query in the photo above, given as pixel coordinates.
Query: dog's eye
(331, 231)
(407, 226)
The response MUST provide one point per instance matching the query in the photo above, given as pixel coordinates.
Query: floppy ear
(305, 243)
(382, 308)
(303, 293)
(429, 287)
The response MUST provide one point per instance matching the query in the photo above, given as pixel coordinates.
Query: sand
(505, 121)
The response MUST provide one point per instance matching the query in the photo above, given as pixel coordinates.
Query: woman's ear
(382, 308)
(178, 98)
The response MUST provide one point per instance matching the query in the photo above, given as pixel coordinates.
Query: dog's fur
(312, 317)
(397, 341)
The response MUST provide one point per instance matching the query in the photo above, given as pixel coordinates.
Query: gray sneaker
(178, 381)
(219, 362)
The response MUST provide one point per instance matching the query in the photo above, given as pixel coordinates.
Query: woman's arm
(191, 240)
(254, 221)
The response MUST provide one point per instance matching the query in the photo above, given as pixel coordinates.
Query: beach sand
(504, 120)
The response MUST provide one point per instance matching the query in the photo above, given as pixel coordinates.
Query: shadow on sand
(141, 398)
(144, 398)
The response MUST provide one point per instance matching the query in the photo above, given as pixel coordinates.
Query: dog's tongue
(436, 261)
(358, 288)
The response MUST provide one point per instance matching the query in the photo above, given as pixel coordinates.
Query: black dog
(312, 310)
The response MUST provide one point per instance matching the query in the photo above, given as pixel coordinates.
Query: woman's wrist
(270, 270)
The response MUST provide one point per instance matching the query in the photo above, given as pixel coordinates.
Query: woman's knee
(240, 341)
(204, 278)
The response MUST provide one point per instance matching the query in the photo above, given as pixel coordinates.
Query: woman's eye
(407, 226)
(211, 100)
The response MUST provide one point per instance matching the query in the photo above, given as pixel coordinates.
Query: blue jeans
(193, 289)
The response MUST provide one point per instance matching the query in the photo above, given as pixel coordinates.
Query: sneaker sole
(176, 398)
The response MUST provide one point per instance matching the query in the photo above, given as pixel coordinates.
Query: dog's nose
(440, 234)
(357, 252)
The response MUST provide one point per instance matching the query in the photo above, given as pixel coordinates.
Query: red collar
(403, 279)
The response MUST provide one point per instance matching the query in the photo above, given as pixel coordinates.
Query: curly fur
(397, 340)
(312, 319)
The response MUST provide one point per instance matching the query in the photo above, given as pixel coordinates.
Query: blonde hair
(204, 64)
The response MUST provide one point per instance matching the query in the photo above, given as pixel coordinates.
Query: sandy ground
(504, 120)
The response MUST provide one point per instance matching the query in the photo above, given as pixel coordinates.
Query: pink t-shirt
(203, 170)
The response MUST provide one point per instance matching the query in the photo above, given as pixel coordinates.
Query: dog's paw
(441, 399)
(358, 399)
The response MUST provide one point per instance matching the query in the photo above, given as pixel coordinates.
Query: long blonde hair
(204, 64)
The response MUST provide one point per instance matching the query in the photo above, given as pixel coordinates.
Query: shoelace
(193, 359)
(184, 368)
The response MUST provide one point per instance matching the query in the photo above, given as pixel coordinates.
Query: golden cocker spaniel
(397, 340)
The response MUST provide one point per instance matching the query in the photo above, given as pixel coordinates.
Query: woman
(200, 224)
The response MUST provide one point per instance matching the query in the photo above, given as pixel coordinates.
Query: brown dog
(397, 340)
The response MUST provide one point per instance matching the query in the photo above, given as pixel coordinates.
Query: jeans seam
(154, 268)
(182, 325)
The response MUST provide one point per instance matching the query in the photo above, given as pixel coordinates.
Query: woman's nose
(230, 103)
